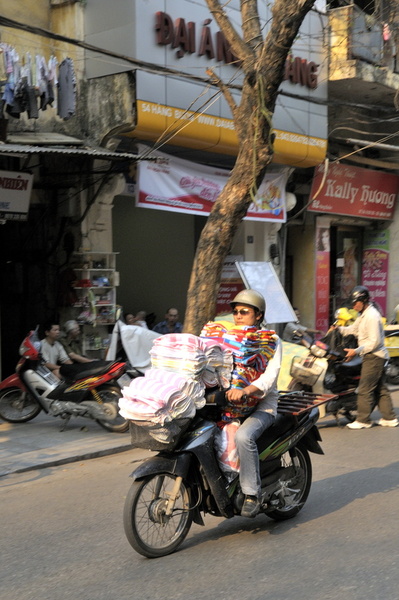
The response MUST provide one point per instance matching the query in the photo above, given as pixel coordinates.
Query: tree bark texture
(262, 63)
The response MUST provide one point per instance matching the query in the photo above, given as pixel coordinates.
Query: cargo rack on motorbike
(298, 402)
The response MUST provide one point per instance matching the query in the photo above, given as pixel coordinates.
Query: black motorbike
(392, 345)
(325, 371)
(185, 481)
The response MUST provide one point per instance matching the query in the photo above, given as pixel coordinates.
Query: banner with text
(178, 185)
(15, 192)
(354, 191)
(230, 284)
(322, 275)
(375, 266)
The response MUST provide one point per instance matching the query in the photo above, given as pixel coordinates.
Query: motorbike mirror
(303, 339)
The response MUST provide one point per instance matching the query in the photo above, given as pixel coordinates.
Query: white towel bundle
(161, 396)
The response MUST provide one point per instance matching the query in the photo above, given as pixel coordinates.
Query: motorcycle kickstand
(338, 421)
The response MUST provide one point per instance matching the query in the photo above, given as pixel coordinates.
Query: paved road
(62, 535)
(40, 442)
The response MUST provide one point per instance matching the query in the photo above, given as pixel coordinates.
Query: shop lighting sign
(353, 191)
(15, 191)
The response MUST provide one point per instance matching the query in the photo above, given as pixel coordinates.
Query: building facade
(140, 86)
(351, 200)
(178, 113)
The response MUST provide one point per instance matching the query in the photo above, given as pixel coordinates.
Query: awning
(101, 154)
(23, 144)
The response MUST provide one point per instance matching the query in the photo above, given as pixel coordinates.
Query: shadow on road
(326, 497)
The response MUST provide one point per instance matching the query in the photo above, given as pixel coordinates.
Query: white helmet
(251, 297)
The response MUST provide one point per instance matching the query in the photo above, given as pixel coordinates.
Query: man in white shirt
(372, 390)
(53, 352)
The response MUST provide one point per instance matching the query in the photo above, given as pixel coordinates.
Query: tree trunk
(263, 66)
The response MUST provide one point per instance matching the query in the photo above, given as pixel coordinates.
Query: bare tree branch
(228, 97)
(251, 24)
(238, 46)
(263, 70)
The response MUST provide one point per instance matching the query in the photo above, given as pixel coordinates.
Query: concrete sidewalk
(40, 443)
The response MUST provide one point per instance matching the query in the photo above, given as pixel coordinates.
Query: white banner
(15, 191)
(179, 185)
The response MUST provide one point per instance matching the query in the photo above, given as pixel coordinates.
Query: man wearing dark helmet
(372, 390)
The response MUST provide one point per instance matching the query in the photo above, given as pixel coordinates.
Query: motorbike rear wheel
(147, 527)
(296, 490)
(17, 406)
(392, 371)
(110, 395)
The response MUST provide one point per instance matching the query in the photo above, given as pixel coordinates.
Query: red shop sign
(354, 191)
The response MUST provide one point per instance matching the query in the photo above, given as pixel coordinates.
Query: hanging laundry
(52, 79)
(42, 79)
(66, 89)
(3, 72)
(12, 68)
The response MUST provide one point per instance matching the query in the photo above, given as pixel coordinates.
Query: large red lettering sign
(354, 191)
(182, 37)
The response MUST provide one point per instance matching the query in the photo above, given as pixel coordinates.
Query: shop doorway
(346, 264)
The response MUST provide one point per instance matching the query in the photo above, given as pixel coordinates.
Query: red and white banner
(179, 185)
(230, 284)
(322, 288)
(354, 191)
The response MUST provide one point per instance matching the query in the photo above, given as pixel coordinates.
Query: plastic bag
(226, 449)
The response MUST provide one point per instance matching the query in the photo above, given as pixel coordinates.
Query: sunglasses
(242, 311)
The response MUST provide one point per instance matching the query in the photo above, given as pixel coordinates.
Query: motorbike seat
(351, 367)
(78, 371)
(281, 425)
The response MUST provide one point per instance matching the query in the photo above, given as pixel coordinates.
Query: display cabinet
(95, 288)
(95, 299)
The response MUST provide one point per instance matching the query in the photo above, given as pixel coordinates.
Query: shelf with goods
(95, 298)
(95, 340)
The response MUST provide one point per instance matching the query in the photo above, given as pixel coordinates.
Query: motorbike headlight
(319, 349)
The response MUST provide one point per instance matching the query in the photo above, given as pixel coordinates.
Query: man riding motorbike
(248, 310)
(368, 330)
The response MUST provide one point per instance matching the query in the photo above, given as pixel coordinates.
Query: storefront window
(347, 267)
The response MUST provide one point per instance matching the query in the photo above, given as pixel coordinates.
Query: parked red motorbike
(90, 390)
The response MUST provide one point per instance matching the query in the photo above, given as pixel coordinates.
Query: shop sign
(182, 36)
(375, 266)
(230, 284)
(322, 275)
(15, 192)
(202, 131)
(184, 39)
(353, 191)
(178, 185)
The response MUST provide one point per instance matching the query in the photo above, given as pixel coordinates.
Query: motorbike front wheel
(295, 490)
(17, 406)
(110, 395)
(149, 530)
